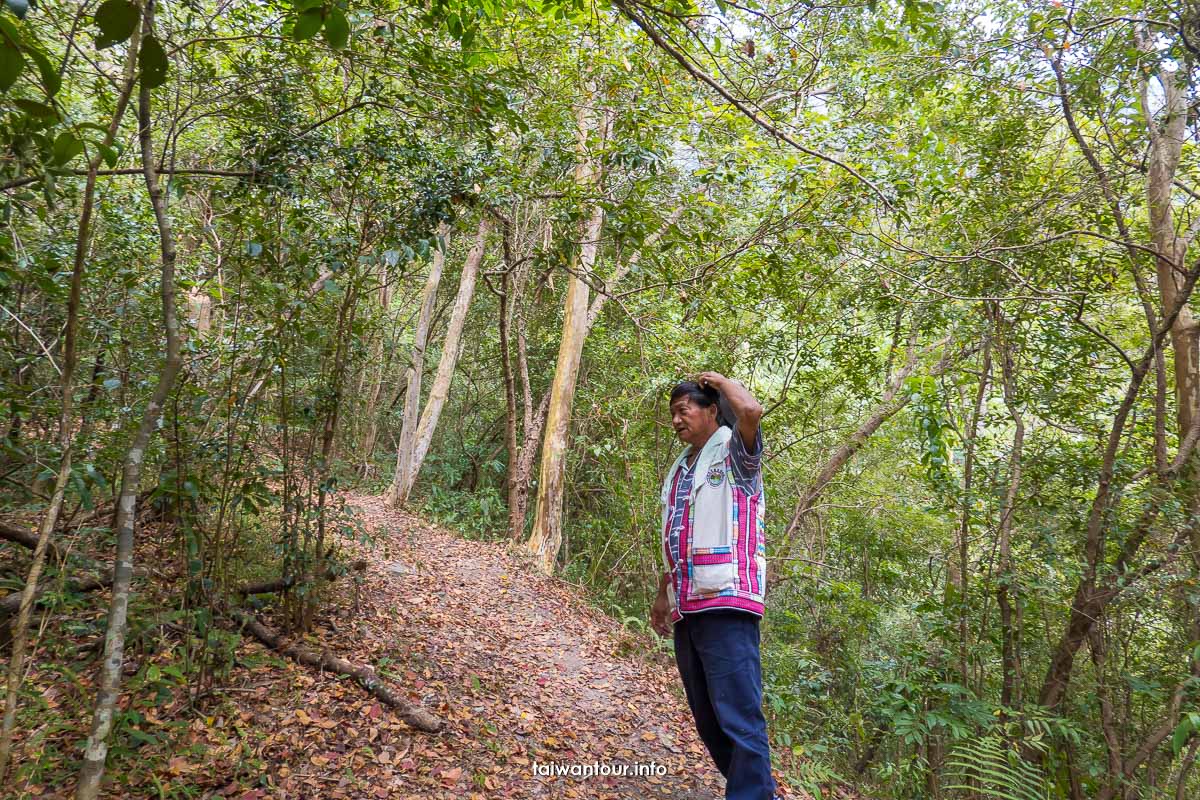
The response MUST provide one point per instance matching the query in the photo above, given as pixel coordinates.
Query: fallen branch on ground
(28, 540)
(11, 603)
(279, 584)
(410, 713)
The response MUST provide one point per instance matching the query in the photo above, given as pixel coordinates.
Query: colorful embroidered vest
(722, 546)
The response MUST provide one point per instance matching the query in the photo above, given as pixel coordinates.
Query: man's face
(693, 424)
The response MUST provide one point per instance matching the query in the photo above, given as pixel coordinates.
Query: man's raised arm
(748, 410)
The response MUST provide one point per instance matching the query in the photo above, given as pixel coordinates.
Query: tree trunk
(1165, 151)
(16, 667)
(958, 572)
(522, 475)
(1090, 600)
(546, 537)
(379, 363)
(109, 684)
(412, 397)
(451, 348)
(522, 447)
(1010, 658)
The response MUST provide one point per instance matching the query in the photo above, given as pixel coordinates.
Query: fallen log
(410, 713)
(11, 602)
(280, 584)
(28, 540)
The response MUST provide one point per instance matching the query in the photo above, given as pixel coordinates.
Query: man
(712, 590)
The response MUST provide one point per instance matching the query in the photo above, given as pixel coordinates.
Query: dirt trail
(528, 677)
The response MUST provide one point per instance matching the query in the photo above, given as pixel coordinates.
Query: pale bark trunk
(1165, 151)
(412, 398)
(96, 751)
(451, 347)
(545, 538)
(16, 667)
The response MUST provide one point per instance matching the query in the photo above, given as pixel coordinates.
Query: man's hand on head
(747, 410)
(714, 379)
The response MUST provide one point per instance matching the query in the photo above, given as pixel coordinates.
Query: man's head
(695, 412)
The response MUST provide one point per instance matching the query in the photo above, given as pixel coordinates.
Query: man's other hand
(660, 615)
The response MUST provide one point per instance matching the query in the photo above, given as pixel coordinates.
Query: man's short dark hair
(705, 396)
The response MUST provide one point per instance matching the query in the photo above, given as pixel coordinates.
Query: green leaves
(990, 764)
(11, 63)
(35, 109)
(116, 20)
(152, 63)
(50, 80)
(1187, 726)
(13, 50)
(66, 147)
(329, 20)
(337, 29)
(307, 24)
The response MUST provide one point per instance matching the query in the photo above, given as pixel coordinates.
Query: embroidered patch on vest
(715, 476)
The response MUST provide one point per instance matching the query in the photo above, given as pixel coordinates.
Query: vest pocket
(712, 573)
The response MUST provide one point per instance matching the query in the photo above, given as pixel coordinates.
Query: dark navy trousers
(718, 658)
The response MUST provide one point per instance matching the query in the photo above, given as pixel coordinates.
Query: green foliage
(152, 62)
(479, 514)
(312, 149)
(990, 767)
(116, 20)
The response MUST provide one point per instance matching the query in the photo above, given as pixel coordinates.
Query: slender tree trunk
(96, 751)
(378, 363)
(523, 473)
(522, 446)
(1165, 151)
(523, 464)
(507, 295)
(1010, 659)
(546, 537)
(451, 348)
(957, 573)
(523, 455)
(412, 399)
(371, 413)
(16, 667)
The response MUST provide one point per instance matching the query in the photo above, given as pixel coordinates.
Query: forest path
(521, 669)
